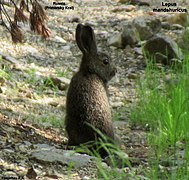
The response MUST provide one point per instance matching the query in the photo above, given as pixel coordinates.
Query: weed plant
(164, 106)
(116, 159)
(4, 73)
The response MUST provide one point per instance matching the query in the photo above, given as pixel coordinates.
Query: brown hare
(87, 103)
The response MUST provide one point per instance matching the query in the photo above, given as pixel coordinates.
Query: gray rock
(117, 104)
(176, 27)
(147, 26)
(125, 8)
(115, 40)
(42, 147)
(66, 48)
(74, 19)
(129, 35)
(27, 143)
(59, 39)
(23, 148)
(64, 157)
(92, 23)
(61, 82)
(7, 3)
(162, 49)
(9, 175)
(165, 25)
(138, 50)
(121, 124)
(123, 1)
(141, 2)
(140, 29)
(132, 76)
(178, 18)
(2, 90)
(183, 40)
(120, 158)
(10, 151)
(31, 50)
(2, 81)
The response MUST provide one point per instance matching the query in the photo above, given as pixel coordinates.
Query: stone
(132, 76)
(129, 35)
(61, 82)
(120, 124)
(59, 39)
(86, 178)
(141, 2)
(74, 19)
(123, 1)
(165, 25)
(1, 90)
(53, 103)
(30, 50)
(178, 18)
(92, 23)
(23, 148)
(138, 51)
(64, 157)
(162, 49)
(127, 8)
(7, 3)
(176, 27)
(183, 40)
(115, 40)
(12, 59)
(117, 104)
(120, 159)
(10, 175)
(10, 151)
(2, 81)
(147, 26)
(66, 48)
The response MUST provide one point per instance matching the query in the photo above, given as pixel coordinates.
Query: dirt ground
(32, 110)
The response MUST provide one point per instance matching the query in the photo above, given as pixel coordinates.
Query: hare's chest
(97, 96)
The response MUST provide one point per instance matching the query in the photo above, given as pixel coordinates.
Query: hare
(87, 102)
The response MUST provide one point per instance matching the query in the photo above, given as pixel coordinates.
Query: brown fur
(87, 99)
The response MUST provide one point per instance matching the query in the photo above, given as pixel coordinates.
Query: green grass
(4, 73)
(45, 120)
(116, 157)
(164, 106)
(39, 82)
(184, 40)
(117, 160)
(54, 121)
(63, 72)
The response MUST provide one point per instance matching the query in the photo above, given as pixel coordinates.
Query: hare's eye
(105, 61)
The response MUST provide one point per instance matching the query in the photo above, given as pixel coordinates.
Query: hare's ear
(85, 39)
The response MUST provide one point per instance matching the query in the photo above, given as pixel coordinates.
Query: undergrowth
(164, 106)
(115, 162)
